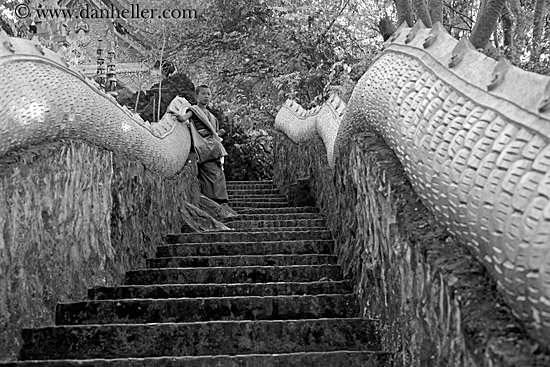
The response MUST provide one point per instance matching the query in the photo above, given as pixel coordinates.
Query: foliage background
(255, 54)
(249, 149)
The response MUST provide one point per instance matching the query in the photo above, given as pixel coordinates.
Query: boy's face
(204, 96)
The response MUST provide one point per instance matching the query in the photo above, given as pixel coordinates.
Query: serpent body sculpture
(473, 136)
(42, 100)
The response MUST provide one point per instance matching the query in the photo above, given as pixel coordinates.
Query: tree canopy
(257, 53)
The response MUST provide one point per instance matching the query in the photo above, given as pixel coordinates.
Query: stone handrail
(42, 100)
(473, 136)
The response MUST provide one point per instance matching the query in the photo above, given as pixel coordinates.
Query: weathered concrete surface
(436, 304)
(293, 309)
(221, 290)
(306, 246)
(207, 309)
(311, 359)
(250, 260)
(243, 274)
(246, 236)
(68, 219)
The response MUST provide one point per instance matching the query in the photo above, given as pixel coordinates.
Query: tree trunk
(160, 70)
(486, 22)
(538, 21)
(154, 112)
(422, 13)
(507, 22)
(137, 100)
(521, 25)
(519, 15)
(436, 10)
(404, 12)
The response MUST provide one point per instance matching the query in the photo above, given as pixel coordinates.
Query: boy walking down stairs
(267, 294)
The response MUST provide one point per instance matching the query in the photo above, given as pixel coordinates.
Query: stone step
(243, 274)
(144, 311)
(240, 260)
(249, 182)
(257, 186)
(240, 236)
(279, 229)
(220, 290)
(257, 204)
(303, 223)
(253, 203)
(199, 338)
(248, 196)
(271, 191)
(289, 247)
(287, 210)
(254, 185)
(287, 216)
(338, 358)
(267, 293)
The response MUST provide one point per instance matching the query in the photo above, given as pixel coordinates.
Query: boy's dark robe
(211, 176)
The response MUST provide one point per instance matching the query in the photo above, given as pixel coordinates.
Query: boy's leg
(212, 181)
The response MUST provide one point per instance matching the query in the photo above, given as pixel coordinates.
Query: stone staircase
(267, 294)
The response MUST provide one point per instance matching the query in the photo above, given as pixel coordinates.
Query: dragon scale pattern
(322, 121)
(476, 149)
(42, 100)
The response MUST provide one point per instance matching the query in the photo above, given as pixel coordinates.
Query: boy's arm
(184, 117)
(220, 132)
